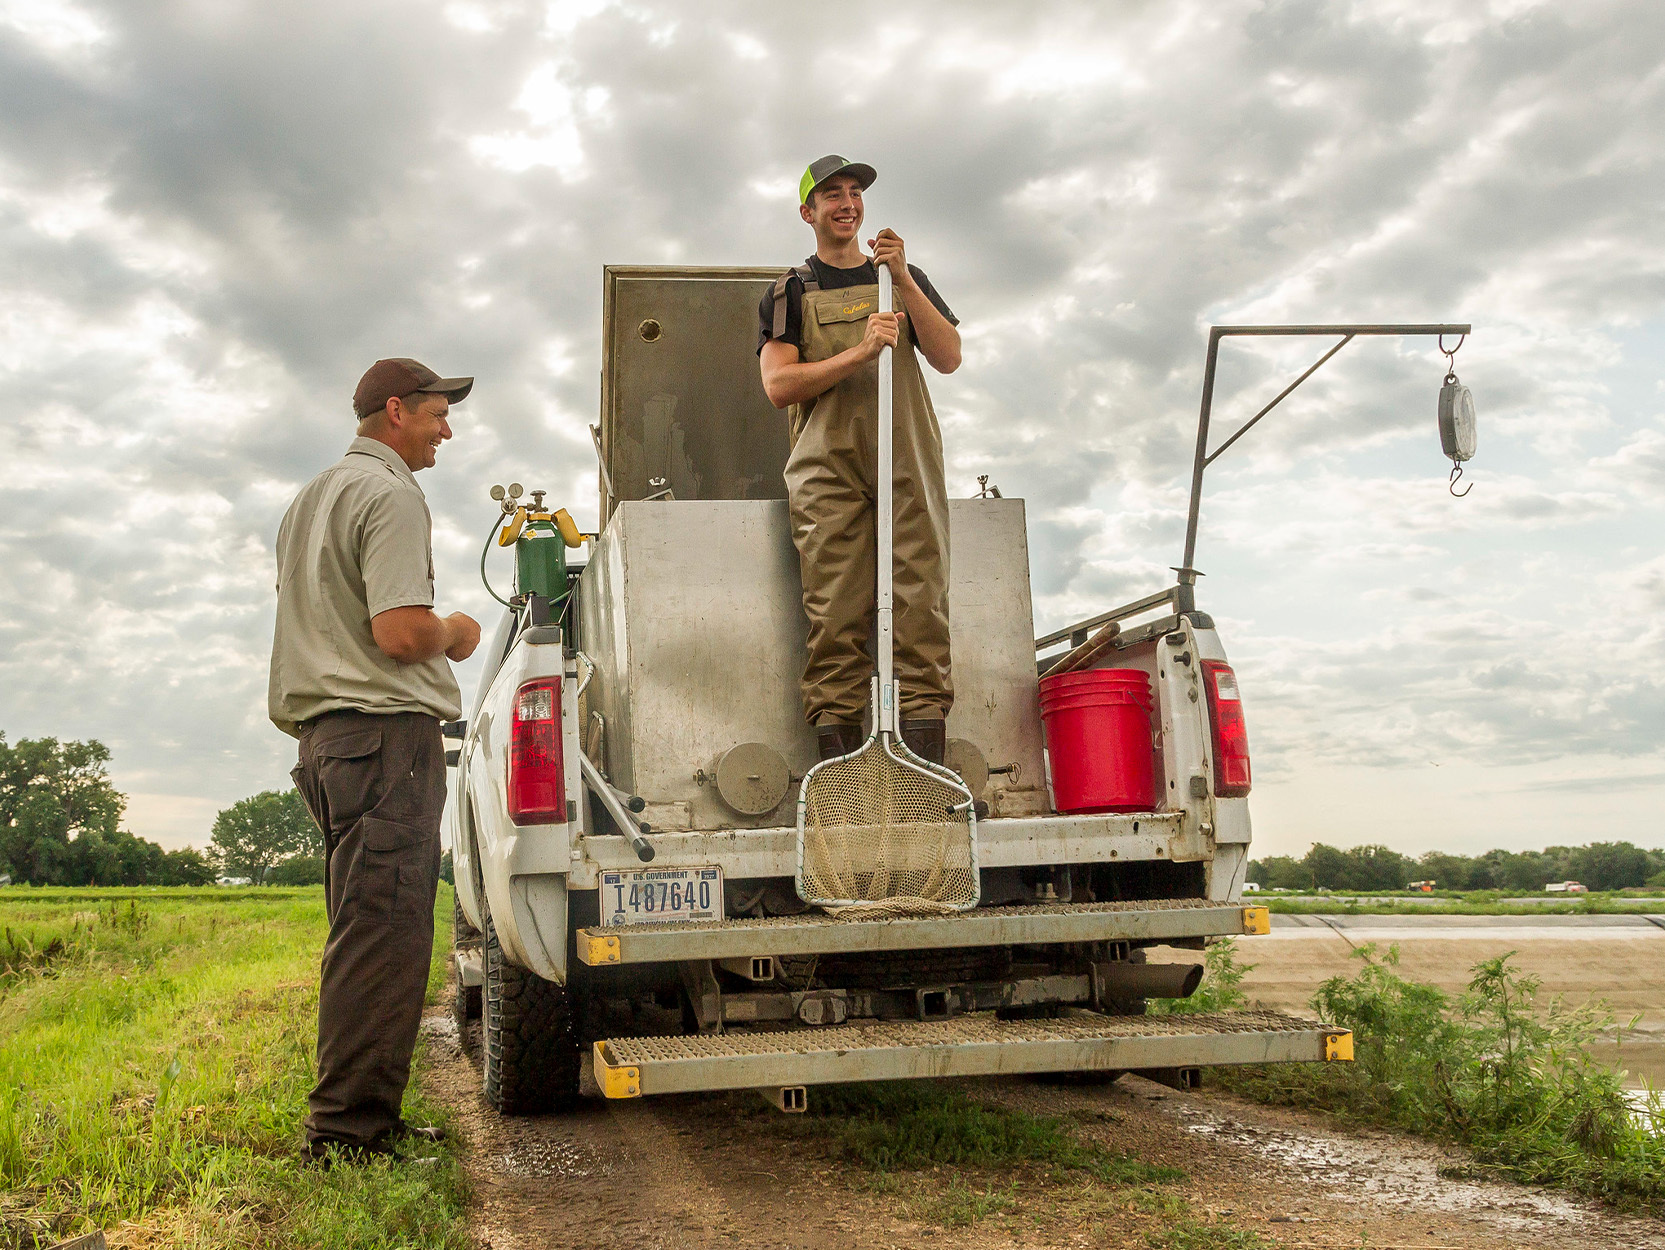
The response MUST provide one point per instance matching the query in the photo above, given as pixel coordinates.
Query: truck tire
(466, 1000)
(529, 1037)
(462, 933)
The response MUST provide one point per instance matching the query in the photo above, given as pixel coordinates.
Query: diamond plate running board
(977, 1045)
(817, 934)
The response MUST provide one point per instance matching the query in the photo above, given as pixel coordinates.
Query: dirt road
(721, 1170)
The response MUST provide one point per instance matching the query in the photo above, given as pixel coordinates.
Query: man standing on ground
(818, 349)
(359, 675)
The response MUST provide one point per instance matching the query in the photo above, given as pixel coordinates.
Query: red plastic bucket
(1098, 736)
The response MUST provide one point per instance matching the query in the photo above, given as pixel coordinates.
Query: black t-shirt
(831, 279)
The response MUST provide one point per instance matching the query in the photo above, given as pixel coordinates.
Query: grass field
(156, 1049)
(1474, 903)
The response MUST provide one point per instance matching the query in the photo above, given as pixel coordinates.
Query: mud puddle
(1388, 1172)
(1293, 1177)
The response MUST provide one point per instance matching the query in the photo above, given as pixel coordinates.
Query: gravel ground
(725, 1169)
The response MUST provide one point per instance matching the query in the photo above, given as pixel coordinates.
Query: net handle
(886, 712)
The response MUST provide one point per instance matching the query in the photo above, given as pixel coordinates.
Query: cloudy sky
(214, 215)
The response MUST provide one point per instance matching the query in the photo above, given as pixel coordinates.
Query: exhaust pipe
(1119, 982)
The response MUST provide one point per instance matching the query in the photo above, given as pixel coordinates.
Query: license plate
(660, 895)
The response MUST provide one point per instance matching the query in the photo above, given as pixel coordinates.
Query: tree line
(60, 824)
(1600, 866)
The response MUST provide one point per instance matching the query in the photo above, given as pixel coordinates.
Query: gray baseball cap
(819, 171)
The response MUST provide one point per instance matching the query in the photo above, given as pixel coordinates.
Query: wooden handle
(1087, 652)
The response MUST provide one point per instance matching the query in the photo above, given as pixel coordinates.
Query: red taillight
(537, 789)
(1231, 731)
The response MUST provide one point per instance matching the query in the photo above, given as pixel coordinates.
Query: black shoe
(327, 1152)
(414, 1133)
(928, 739)
(832, 741)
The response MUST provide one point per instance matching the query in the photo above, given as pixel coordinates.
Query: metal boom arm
(1204, 458)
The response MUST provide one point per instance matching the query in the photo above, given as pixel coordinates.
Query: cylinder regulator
(540, 538)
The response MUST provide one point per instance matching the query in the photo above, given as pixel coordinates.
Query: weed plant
(1507, 1076)
(1221, 988)
(900, 1126)
(954, 1160)
(156, 1049)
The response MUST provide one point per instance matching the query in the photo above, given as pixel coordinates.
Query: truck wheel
(529, 1037)
(462, 933)
(466, 1007)
(466, 1001)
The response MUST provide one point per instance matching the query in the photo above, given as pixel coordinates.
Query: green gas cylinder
(541, 559)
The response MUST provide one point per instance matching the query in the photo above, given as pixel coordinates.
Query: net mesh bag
(879, 835)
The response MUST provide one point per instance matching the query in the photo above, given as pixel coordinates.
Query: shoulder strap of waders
(806, 274)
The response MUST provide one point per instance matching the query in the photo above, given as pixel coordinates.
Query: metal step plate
(818, 934)
(977, 1045)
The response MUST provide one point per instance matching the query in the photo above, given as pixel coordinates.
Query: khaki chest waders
(882, 831)
(833, 484)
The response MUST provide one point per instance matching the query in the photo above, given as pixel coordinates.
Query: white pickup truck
(623, 825)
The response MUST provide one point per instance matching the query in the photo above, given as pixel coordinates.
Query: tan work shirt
(357, 541)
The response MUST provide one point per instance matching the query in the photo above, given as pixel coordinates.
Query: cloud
(213, 218)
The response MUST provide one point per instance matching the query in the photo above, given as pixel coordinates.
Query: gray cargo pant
(376, 786)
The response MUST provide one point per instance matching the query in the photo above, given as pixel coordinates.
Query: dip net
(882, 832)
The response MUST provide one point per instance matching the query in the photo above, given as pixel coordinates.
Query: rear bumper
(817, 934)
(1005, 843)
(977, 1045)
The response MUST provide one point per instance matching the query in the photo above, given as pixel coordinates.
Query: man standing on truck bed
(359, 675)
(818, 349)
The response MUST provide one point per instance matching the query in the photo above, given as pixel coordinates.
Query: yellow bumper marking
(1257, 920)
(1339, 1047)
(598, 950)
(622, 1081)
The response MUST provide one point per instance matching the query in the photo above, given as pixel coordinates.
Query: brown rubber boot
(928, 739)
(832, 741)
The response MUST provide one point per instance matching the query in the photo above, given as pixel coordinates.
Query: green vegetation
(1182, 1230)
(902, 1126)
(954, 1160)
(262, 832)
(962, 1204)
(1221, 988)
(1494, 1070)
(1443, 903)
(297, 870)
(60, 822)
(155, 1056)
(1600, 865)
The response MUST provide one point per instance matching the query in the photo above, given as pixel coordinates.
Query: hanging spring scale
(1457, 432)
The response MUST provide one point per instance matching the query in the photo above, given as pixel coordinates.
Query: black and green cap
(819, 171)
